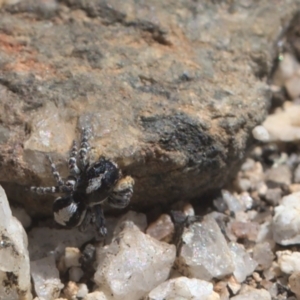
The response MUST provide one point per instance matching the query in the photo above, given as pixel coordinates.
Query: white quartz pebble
(260, 133)
(204, 253)
(133, 264)
(288, 261)
(184, 288)
(244, 265)
(286, 221)
(45, 275)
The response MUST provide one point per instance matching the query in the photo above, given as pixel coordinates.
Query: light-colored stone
(286, 221)
(82, 291)
(133, 264)
(294, 283)
(288, 261)
(284, 126)
(263, 254)
(233, 202)
(260, 133)
(139, 219)
(184, 288)
(72, 256)
(188, 210)
(247, 230)
(244, 265)
(45, 276)
(278, 176)
(221, 288)
(14, 259)
(96, 296)
(162, 229)
(253, 294)
(204, 253)
(71, 290)
(233, 285)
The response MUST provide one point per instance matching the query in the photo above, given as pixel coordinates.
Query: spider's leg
(84, 148)
(99, 220)
(69, 210)
(122, 192)
(86, 221)
(45, 189)
(55, 173)
(72, 160)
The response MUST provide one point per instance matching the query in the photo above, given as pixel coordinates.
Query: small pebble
(162, 229)
(82, 290)
(260, 133)
(273, 196)
(96, 296)
(278, 176)
(72, 256)
(294, 283)
(288, 261)
(292, 86)
(188, 210)
(71, 290)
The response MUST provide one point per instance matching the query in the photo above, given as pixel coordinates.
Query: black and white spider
(86, 188)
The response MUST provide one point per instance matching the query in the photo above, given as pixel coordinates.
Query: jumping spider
(86, 188)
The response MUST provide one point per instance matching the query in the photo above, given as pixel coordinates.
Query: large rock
(171, 89)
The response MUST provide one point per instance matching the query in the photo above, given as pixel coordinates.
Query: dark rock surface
(171, 89)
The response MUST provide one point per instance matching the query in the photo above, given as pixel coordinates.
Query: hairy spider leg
(74, 170)
(99, 220)
(55, 173)
(84, 148)
(41, 190)
(86, 221)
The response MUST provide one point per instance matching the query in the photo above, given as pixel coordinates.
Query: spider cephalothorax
(86, 188)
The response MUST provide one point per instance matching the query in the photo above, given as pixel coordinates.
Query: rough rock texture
(243, 263)
(133, 264)
(286, 222)
(204, 253)
(45, 277)
(171, 89)
(14, 259)
(253, 294)
(184, 288)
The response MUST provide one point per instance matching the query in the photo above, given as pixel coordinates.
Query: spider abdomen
(69, 210)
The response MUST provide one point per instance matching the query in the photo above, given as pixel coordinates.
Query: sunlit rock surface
(253, 294)
(45, 276)
(14, 259)
(286, 221)
(244, 265)
(169, 93)
(184, 288)
(133, 264)
(204, 253)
